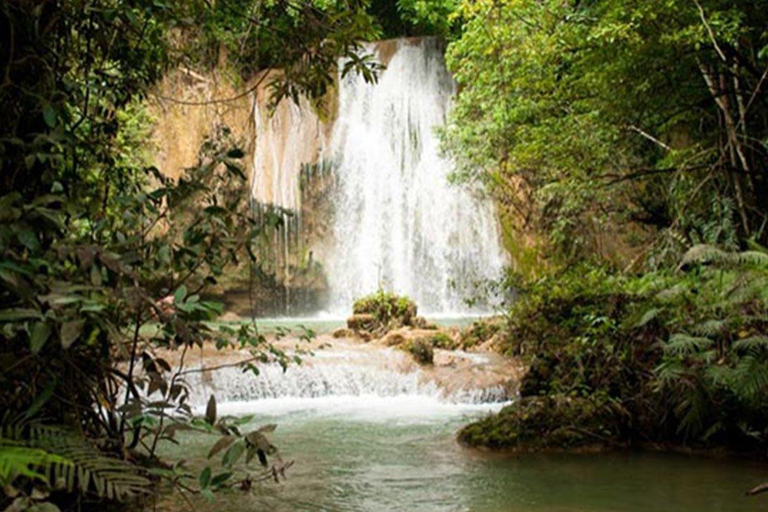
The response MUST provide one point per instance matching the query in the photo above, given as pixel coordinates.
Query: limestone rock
(393, 338)
(361, 322)
(343, 333)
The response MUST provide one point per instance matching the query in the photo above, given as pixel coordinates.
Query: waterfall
(399, 223)
(388, 217)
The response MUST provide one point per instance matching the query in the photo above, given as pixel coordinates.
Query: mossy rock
(550, 423)
(479, 332)
(362, 322)
(421, 350)
(443, 340)
(389, 311)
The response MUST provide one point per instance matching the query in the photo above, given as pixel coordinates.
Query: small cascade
(330, 380)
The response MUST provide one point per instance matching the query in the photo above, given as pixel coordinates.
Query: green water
(323, 325)
(400, 454)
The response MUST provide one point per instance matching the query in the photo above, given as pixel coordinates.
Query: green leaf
(233, 454)
(41, 399)
(44, 507)
(181, 292)
(205, 477)
(16, 314)
(221, 478)
(49, 115)
(259, 440)
(40, 333)
(221, 444)
(70, 331)
(208, 495)
(210, 411)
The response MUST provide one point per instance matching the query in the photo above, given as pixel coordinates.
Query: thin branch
(711, 32)
(650, 137)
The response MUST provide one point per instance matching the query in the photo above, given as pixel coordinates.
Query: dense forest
(625, 145)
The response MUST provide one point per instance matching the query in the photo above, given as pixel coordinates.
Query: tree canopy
(650, 112)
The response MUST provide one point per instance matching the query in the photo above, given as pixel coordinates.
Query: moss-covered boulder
(481, 331)
(421, 350)
(381, 312)
(550, 423)
(362, 322)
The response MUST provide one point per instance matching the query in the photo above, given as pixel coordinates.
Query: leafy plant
(103, 259)
(387, 310)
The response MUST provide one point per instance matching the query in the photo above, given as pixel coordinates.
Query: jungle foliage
(668, 358)
(104, 260)
(629, 141)
(586, 116)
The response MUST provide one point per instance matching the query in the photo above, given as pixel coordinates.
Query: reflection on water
(400, 454)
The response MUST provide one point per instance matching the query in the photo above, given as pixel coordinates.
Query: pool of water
(400, 454)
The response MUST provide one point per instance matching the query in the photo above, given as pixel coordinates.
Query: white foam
(410, 409)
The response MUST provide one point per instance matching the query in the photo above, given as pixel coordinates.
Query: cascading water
(372, 373)
(399, 223)
(391, 218)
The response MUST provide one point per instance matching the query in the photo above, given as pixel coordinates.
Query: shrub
(479, 332)
(684, 352)
(389, 311)
(421, 350)
(443, 340)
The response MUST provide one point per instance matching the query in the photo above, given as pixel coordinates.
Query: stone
(361, 322)
(392, 339)
(343, 333)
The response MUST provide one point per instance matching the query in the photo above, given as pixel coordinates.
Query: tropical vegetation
(626, 145)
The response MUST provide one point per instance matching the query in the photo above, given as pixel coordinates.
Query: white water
(347, 382)
(399, 224)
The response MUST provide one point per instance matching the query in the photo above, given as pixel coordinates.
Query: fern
(683, 344)
(73, 463)
(750, 377)
(751, 344)
(710, 328)
(647, 317)
(703, 253)
(20, 461)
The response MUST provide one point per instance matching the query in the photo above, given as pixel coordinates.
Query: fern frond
(21, 461)
(683, 344)
(754, 258)
(647, 317)
(750, 377)
(710, 328)
(68, 459)
(703, 253)
(91, 470)
(751, 344)
(693, 411)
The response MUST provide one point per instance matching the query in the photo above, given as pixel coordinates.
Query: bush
(479, 332)
(421, 350)
(684, 353)
(538, 423)
(388, 311)
(443, 340)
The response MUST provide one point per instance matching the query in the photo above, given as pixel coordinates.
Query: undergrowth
(670, 357)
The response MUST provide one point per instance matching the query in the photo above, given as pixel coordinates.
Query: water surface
(399, 453)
